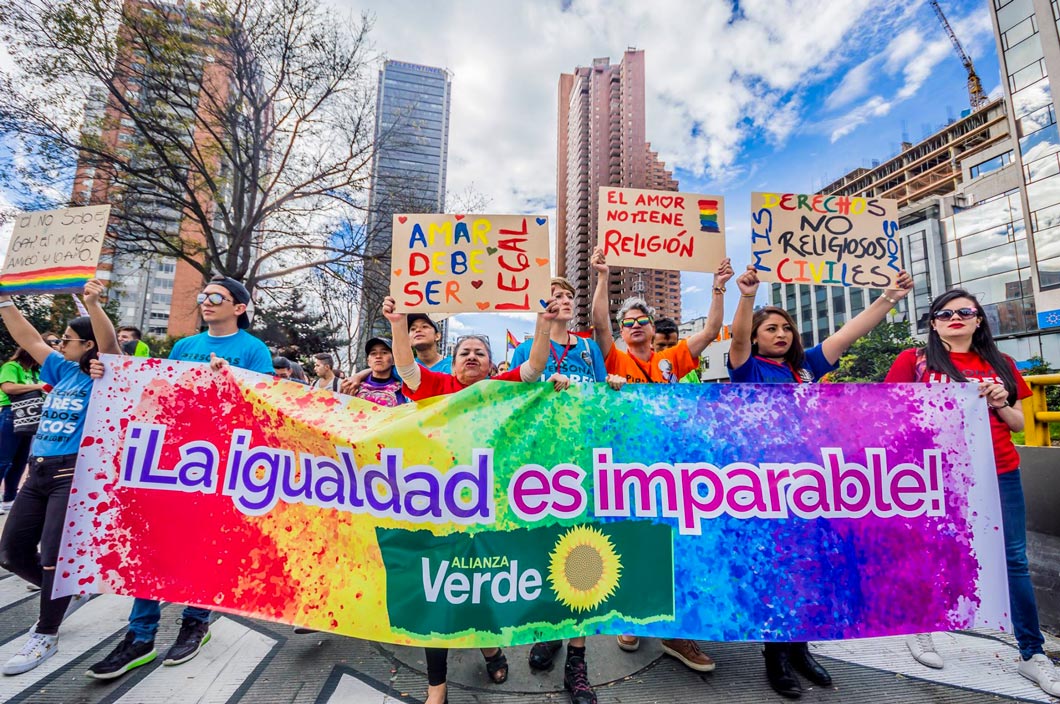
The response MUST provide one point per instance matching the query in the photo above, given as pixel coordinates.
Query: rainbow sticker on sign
(708, 216)
(60, 279)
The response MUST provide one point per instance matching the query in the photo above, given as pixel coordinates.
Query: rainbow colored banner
(511, 513)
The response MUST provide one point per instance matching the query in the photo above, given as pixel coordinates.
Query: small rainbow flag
(512, 341)
(59, 279)
(708, 216)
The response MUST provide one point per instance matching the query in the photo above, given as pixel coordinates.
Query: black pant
(38, 517)
(437, 665)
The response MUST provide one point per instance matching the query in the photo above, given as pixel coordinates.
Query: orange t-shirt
(663, 368)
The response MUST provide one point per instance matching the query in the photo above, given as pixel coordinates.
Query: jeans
(1022, 603)
(38, 517)
(143, 620)
(14, 452)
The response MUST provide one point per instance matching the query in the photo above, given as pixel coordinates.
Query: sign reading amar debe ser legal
(54, 251)
(661, 229)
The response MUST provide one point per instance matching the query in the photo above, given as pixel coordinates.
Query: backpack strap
(920, 370)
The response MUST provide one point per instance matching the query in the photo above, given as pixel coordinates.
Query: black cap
(413, 317)
(281, 363)
(240, 294)
(377, 341)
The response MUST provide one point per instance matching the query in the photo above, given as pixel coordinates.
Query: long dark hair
(938, 354)
(25, 359)
(83, 327)
(795, 355)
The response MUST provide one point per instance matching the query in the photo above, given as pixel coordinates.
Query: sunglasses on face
(642, 321)
(54, 342)
(962, 313)
(215, 299)
(67, 340)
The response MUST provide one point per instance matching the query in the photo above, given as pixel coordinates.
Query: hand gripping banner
(510, 513)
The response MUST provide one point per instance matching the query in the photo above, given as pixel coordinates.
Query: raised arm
(601, 313)
(534, 366)
(699, 341)
(24, 335)
(836, 345)
(404, 359)
(740, 347)
(102, 327)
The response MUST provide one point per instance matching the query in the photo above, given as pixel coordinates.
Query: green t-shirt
(12, 372)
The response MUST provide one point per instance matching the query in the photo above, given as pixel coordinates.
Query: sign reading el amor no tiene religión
(825, 240)
(449, 523)
(661, 229)
(469, 263)
(54, 251)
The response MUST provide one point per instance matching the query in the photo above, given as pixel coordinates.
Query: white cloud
(692, 289)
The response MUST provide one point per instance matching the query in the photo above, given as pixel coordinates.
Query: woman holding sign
(471, 364)
(961, 348)
(38, 514)
(767, 349)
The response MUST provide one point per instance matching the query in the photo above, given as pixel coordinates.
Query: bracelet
(893, 301)
(7, 304)
(719, 289)
(748, 295)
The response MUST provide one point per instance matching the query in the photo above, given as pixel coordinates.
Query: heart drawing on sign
(402, 219)
(542, 221)
(397, 272)
(491, 250)
(540, 261)
(459, 217)
(483, 305)
(477, 284)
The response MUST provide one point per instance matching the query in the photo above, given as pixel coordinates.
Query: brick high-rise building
(602, 143)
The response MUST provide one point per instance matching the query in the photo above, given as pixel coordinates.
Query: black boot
(576, 679)
(807, 666)
(779, 673)
(542, 654)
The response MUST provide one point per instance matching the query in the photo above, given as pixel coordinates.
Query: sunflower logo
(584, 569)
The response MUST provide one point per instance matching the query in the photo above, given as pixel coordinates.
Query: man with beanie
(223, 305)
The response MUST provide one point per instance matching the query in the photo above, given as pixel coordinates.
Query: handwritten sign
(825, 240)
(661, 229)
(469, 263)
(54, 251)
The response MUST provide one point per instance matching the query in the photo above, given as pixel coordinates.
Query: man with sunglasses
(223, 305)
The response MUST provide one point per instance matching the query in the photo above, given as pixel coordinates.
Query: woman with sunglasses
(766, 348)
(37, 517)
(19, 375)
(961, 348)
(472, 360)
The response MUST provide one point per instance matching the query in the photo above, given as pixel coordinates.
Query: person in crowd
(578, 360)
(131, 343)
(766, 348)
(961, 348)
(503, 367)
(29, 546)
(324, 368)
(281, 367)
(18, 375)
(425, 337)
(383, 386)
(298, 373)
(470, 365)
(667, 336)
(223, 306)
(641, 364)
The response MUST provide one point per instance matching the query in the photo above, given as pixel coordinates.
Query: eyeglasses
(215, 299)
(66, 340)
(642, 321)
(54, 342)
(962, 313)
(464, 338)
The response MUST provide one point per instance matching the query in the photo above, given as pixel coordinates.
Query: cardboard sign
(661, 229)
(54, 251)
(825, 240)
(469, 263)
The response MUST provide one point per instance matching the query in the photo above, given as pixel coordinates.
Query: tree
(869, 359)
(1039, 366)
(287, 328)
(230, 134)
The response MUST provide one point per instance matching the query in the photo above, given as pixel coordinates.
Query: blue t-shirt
(757, 370)
(240, 349)
(62, 419)
(583, 363)
(443, 366)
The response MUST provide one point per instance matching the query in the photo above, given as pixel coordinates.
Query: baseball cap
(413, 317)
(240, 294)
(377, 341)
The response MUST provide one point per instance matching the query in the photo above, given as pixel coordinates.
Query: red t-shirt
(975, 369)
(441, 383)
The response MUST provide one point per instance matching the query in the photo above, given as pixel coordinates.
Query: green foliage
(869, 359)
(161, 345)
(1052, 393)
(290, 331)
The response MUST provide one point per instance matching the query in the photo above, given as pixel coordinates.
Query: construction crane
(976, 96)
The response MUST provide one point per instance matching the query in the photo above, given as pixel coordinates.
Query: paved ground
(251, 661)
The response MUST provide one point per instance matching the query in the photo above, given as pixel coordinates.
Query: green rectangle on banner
(495, 581)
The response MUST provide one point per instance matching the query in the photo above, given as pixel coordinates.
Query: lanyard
(645, 372)
(798, 379)
(559, 360)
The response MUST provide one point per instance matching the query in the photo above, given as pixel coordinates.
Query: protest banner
(825, 240)
(469, 263)
(661, 229)
(54, 251)
(451, 521)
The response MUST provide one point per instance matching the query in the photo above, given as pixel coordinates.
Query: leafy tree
(161, 345)
(869, 359)
(290, 330)
(1039, 366)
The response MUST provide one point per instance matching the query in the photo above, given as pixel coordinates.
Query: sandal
(497, 667)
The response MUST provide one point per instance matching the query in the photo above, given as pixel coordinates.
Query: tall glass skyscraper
(408, 171)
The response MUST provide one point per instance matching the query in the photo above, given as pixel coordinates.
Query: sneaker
(688, 653)
(576, 681)
(193, 635)
(628, 643)
(1039, 669)
(127, 656)
(30, 586)
(543, 654)
(922, 647)
(37, 649)
(5, 506)
(302, 630)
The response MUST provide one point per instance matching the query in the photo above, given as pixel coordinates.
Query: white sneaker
(1040, 670)
(37, 649)
(923, 650)
(5, 506)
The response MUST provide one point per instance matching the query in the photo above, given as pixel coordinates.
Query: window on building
(989, 165)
